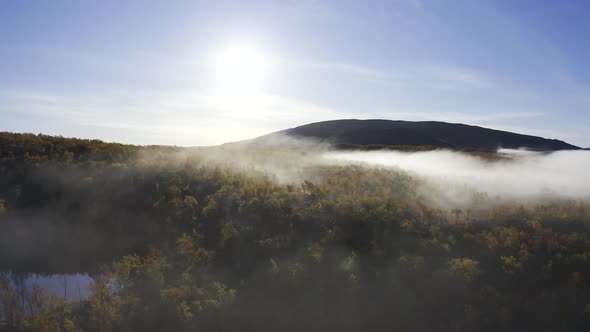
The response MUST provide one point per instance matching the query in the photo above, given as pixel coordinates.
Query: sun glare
(241, 70)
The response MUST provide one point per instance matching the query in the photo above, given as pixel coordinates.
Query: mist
(515, 174)
(447, 178)
(264, 233)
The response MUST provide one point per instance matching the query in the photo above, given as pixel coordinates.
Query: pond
(72, 287)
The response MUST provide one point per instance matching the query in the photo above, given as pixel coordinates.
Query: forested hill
(363, 133)
(41, 147)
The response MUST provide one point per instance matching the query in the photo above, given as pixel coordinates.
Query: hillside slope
(353, 133)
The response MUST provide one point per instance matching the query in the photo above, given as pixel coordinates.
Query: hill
(388, 133)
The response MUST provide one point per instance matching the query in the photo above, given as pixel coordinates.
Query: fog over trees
(292, 238)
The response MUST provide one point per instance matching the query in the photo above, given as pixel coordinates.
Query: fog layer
(516, 174)
(448, 177)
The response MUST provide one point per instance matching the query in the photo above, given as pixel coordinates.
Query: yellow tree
(104, 305)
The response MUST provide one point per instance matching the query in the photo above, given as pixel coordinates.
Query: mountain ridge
(390, 133)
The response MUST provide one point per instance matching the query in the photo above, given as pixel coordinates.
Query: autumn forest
(176, 242)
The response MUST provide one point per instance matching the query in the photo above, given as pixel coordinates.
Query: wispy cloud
(180, 118)
(186, 118)
(424, 76)
(450, 76)
(334, 67)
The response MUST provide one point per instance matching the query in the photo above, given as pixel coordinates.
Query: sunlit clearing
(241, 70)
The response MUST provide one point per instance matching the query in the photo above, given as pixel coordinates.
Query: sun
(241, 70)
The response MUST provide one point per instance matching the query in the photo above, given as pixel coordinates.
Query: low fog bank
(284, 159)
(516, 174)
(447, 177)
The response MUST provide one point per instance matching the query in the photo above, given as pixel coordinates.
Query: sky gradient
(143, 72)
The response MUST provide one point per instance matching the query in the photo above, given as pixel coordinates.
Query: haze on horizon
(208, 72)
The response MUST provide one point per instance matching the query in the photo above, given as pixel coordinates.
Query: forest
(178, 241)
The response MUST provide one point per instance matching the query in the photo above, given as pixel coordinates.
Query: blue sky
(144, 72)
